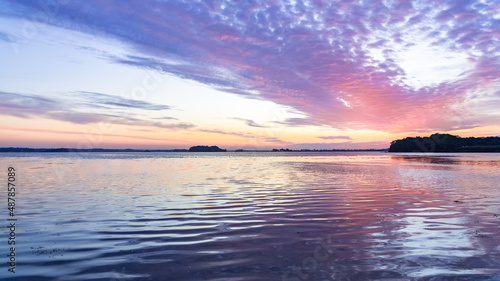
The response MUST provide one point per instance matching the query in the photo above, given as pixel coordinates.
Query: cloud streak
(250, 123)
(31, 106)
(117, 101)
(335, 137)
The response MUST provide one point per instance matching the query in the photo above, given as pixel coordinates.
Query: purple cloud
(29, 106)
(117, 101)
(314, 56)
(250, 123)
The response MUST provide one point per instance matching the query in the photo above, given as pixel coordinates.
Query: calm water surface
(255, 216)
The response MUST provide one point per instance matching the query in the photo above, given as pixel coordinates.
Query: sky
(246, 74)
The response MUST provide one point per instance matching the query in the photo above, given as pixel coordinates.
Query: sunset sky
(246, 74)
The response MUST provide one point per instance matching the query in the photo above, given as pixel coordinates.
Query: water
(254, 216)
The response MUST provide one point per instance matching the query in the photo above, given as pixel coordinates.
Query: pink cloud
(313, 58)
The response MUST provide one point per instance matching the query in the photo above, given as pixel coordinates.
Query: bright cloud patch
(427, 66)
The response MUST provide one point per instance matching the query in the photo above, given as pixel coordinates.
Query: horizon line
(69, 149)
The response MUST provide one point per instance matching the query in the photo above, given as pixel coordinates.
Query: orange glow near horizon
(105, 135)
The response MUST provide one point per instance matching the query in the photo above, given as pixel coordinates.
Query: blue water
(254, 216)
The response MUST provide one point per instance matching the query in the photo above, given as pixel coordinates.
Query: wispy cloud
(216, 131)
(30, 106)
(166, 118)
(5, 37)
(24, 106)
(256, 138)
(276, 141)
(335, 137)
(294, 122)
(250, 123)
(117, 101)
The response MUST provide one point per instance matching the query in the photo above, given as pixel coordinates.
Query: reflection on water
(258, 216)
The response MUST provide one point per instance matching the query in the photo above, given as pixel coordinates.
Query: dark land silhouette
(204, 148)
(446, 143)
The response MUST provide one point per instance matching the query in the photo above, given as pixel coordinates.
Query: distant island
(446, 143)
(204, 148)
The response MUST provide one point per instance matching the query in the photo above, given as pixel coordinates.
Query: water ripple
(259, 217)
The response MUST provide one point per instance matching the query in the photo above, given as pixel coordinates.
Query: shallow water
(255, 216)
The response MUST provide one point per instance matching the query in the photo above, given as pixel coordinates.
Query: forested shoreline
(446, 143)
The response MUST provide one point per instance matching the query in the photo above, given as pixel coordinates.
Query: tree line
(446, 143)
